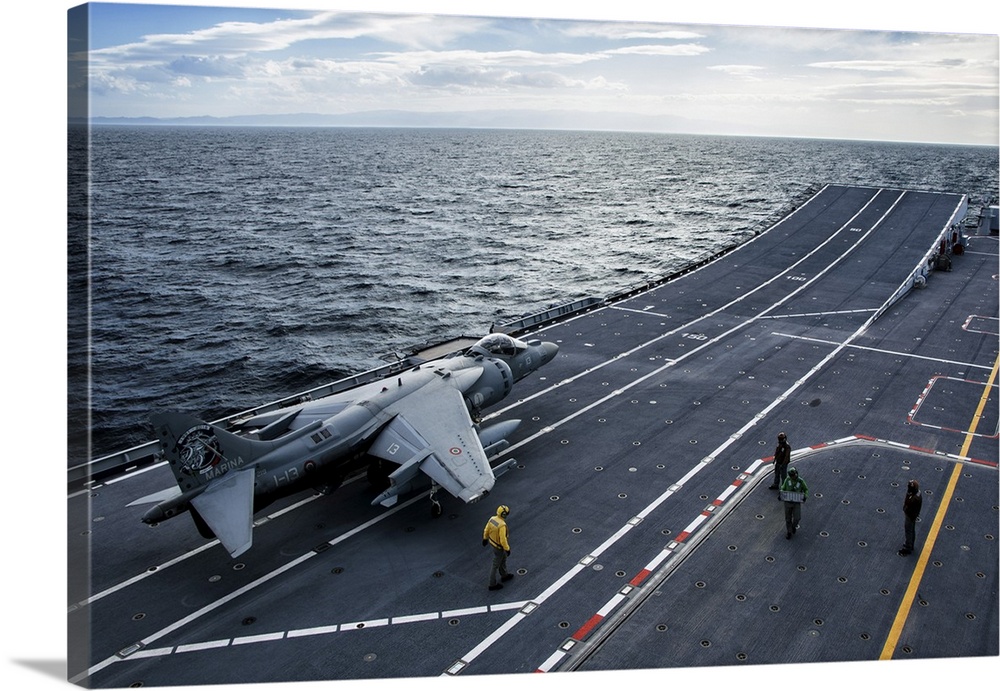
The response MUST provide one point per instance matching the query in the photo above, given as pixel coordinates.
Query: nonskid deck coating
(639, 508)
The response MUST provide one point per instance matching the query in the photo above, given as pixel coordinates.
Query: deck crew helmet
(781, 436)
(793, 472)
(503, 510)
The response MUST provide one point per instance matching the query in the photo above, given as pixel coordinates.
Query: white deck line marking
(359, 625)
(550, 663)
(315, 631)
(778, 276)
(655, 563)
(469, 657)
(659, 500)
(912, 415)
(244, 589)
(293, 507)
(687, 325)
(659, 559)
(128, 476)
(746, 242)
(464, 612)
(177, 560)
(610, 542)
(151, 652)
(629, 309)
(331, 629)
(87, 490)
(819, 314)
(670, 363)
(145, 574)
(173, 562)
(430, 616)
(728, 491)
(210, 645)
(881, 350)
(625, 529)
(259, 638)
(560, 582)
(610, 605)
(494, 637)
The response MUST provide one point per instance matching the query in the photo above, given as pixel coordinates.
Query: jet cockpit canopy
(498, 345)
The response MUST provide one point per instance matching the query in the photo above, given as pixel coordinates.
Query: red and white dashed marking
(611, 605)
(911, 417)
(972, 317)
(526, 607)
(656, 562)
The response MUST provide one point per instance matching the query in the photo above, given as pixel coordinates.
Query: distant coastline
(507, 119)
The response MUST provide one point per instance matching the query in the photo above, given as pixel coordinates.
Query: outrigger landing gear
(435, 504)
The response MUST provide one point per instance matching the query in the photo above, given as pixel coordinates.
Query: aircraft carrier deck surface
(642, 529)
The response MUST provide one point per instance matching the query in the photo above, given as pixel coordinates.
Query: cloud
(515, 58)
(236, 50)
(620, 31)
(237, 39)
(864, 65)
(343, 61)
(329, 78)
(737, 70)
(679, 50)
(212, 66)
(899, 65)
(911, 92)
(486, 78)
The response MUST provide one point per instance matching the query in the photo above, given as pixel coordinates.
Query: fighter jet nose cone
(549, 351)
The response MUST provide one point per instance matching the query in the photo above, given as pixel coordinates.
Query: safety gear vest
(496, 533)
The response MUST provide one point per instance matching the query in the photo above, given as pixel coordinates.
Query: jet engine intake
(493, 385)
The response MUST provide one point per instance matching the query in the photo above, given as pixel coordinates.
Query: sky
(633, 72)
(930, 83)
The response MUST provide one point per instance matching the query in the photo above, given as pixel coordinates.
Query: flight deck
(643, 531)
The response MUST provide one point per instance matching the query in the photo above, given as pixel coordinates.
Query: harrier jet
(412, 430)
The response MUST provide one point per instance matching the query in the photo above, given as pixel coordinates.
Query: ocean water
(229, 267)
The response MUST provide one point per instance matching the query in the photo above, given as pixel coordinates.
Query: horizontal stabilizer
(278, 427)
(227, 507)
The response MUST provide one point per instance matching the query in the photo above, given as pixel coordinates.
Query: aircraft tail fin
(200, 452)
(205, 456)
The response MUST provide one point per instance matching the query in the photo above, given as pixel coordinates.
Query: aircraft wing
(227, 507)
(433, 433)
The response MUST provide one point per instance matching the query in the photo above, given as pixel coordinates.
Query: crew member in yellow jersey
(495, 535)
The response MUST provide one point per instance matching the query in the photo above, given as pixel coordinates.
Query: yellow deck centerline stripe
(918, 573)
(904, 608)
(979, 409)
